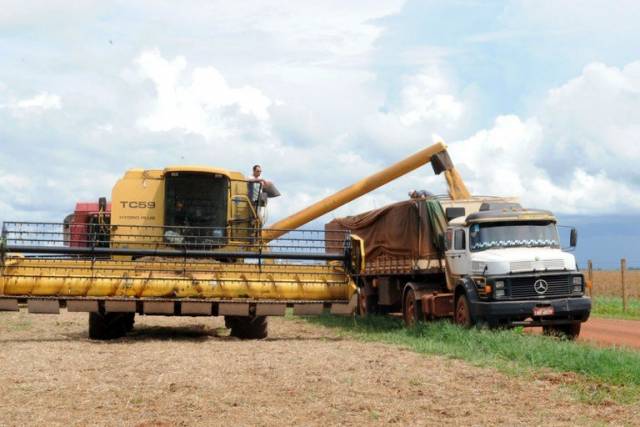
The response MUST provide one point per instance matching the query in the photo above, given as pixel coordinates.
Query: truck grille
(547, 264)
(523, 287)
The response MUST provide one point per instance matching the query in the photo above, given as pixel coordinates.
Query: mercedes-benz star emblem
(540, 286)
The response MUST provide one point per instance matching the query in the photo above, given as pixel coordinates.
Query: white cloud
(313, 92)
(311, 31)
(427, 97)
(594, 119)
(202, 103)
(429, 103)
(577, 154)
(40, 102)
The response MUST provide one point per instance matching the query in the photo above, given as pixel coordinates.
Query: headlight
(577, 284)
(499, 285)
(499, 293)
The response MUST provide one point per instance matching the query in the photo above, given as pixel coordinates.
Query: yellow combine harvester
(190, 241)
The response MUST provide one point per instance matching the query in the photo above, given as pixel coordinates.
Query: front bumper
(520, 313)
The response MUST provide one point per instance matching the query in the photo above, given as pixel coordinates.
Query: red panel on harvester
(79, 223)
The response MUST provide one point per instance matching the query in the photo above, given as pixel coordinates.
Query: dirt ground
(182, 371)
(612, 332)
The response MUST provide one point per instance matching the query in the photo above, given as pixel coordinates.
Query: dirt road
(612, 332)
(180, 371)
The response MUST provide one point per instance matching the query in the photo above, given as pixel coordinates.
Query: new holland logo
(541, 287)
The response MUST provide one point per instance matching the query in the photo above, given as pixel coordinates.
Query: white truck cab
(507, 267)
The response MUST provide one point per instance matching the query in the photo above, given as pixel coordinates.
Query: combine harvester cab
(188, 241)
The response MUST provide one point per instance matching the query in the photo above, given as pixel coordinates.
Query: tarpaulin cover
(402, 229)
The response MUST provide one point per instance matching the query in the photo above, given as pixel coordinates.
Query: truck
(478, 260)
(190, 241)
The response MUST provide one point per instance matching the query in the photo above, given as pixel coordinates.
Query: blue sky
(537, 99)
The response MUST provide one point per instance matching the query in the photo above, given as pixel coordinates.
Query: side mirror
(573, 239)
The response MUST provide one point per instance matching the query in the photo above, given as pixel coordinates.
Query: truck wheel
(247, 328)
(570, 331)
(366, 303)
(462, 315)
(411, 310)
(109, 326)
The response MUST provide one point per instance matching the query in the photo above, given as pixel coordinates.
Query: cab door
(457, 254)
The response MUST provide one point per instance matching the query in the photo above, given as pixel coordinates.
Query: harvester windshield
(196, 199)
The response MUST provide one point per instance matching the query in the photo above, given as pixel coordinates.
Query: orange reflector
(487, 289)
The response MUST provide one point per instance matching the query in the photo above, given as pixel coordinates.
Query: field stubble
(181, 371)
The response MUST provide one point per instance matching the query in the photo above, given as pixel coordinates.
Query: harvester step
(8, 304)
(43, 306)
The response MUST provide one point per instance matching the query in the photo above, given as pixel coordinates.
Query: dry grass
(608, 283)
(181, 371)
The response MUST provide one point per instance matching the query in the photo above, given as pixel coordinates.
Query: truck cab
(508, 268)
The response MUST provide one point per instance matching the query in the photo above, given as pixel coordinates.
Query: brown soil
(181, 371)
(612, 332)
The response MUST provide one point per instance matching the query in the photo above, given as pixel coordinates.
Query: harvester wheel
(462, 315)
(570, 331)
(247, 328)
(129, 320)
(108, 326)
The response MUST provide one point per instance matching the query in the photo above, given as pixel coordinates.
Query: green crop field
(611, 307)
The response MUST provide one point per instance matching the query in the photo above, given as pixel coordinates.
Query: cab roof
(510, 214)
(205, 169)
(158, 173)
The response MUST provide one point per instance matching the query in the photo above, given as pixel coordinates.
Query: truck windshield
(513, 234)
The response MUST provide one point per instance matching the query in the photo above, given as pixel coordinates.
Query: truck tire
(247, 328)
(108, 326)
(411, 309)
(462, 314)
(366, 303)
(570, 331)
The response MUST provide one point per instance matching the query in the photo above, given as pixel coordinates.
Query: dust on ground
(186, 371)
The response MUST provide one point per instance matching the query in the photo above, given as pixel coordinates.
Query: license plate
(543, 311)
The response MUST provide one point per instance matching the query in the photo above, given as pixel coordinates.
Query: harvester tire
(108, 326)
(247, 328)
(570, 331)
(129, 320)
